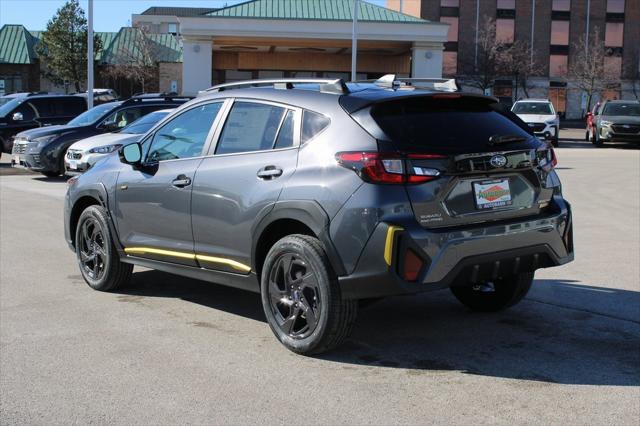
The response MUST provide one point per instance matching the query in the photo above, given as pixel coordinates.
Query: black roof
(179, 11)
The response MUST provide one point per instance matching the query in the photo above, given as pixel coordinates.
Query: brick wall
(631, 46)
(467, 31)
(29, 75)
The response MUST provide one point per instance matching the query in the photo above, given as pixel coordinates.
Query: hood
(536, 118)
(623, 119)
(104, 139)
(39, 132)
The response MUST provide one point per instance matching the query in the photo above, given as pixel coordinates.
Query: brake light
(547, 158)
(387, 168)
(554, 158)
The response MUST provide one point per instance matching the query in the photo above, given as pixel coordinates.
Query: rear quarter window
(313, 123)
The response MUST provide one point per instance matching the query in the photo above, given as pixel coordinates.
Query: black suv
(24, 111)
(43, 149)
(317, 199)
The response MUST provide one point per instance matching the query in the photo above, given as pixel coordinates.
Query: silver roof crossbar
(335, 86)
(392, 82)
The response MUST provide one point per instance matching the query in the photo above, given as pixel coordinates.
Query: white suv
(540, 116)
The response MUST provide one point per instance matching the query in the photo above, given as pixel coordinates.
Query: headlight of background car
(553, 121)
(41, 142)
(104, 149)
(605, 123)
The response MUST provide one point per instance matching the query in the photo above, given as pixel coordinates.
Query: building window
(557, 65)
(505, 29)
(506, 4)
(560, 33)
(615, 6)
(172, 28)
(612, 66)
(613, 34)
(450, 63)
(561, 5)
(449, 3)
(452, 35)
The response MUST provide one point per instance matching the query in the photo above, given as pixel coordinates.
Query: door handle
(269, 172)
(181, 181)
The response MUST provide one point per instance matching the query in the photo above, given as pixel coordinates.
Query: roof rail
(155, 97)
(335, 86)
(390, 81)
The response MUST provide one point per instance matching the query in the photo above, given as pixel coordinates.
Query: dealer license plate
(490, 194)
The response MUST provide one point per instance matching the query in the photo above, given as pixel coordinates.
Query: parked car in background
(101, 96)
(589, 121)
(82, 155)
(24, 111)
(320, 193)
(615, 121)
(540, 116)
(43, 149)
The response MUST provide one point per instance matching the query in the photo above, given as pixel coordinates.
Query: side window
(43, 107)
(251, 127)
(70, 107)
(312, 124)
(285, 135)
(185, 135)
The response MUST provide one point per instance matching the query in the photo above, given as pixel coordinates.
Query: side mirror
(17, 116)
(131, 154)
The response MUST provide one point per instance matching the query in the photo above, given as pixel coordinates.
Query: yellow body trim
(212, 259)
(235, 265)
(388, 245)
(149, 250)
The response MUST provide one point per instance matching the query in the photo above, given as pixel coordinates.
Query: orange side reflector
(412, 265)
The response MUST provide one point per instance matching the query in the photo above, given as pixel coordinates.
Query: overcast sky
(109, 15)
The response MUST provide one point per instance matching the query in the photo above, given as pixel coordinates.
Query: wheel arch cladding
(91, 197)
(293, 217)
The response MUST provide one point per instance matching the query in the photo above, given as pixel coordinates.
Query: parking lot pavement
(171, 350)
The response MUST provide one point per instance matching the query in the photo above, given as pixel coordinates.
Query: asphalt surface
(171, 350)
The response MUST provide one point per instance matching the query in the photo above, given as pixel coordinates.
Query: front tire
(97, 256)
(495, 296)
(596, 138)
(302, 299)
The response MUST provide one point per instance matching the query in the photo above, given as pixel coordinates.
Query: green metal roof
(17, 45)
(318, 10)
(178, 11)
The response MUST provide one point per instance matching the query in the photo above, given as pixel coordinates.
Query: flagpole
(90, 57)
(354, 41)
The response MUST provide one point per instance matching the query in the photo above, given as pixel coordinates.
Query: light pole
(90, 57)
(354, 40)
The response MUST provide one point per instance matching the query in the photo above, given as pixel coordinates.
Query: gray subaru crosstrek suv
(320, 195)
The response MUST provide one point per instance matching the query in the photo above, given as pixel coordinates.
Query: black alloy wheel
(91, 249)
(294, 296)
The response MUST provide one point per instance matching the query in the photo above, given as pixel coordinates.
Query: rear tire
(51, 174)
(97, 256)
(302, 299)
(507, 292)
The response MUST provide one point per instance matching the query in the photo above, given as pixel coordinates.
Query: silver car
(82, 155)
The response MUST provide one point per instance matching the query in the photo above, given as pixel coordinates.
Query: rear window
(454, 125)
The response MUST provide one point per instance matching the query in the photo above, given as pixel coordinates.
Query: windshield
(91, 116)
(8, 104)
(622, 109)
(532, 108)
(143, 124)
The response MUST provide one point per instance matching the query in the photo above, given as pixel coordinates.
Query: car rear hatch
(466, 159)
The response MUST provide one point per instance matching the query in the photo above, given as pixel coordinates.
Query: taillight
(388, 168)
(547, 158)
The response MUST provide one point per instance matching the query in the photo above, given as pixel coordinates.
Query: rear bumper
(460, 256)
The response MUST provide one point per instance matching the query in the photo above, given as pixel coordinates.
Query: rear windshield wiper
(503, 139)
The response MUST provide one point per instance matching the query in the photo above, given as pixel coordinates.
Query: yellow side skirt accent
(388, 244)
(212, 259)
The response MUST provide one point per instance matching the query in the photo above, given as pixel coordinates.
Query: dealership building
(303, 38)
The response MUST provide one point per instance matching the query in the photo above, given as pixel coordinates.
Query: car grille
(19, 147)
(631, 129)
(74, 155)
(537, 127)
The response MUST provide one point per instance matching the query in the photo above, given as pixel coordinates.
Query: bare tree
(483, 70)
(588, 72)
(136, 61)
(515, 60)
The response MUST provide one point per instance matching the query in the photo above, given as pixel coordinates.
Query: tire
(51, 174)
(302, 299)
(97, 256)
(587, 138)
(555, 142)
(507, 292)
(595, 140)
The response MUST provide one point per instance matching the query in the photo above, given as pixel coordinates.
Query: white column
(426, 60)
(197, 66)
